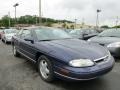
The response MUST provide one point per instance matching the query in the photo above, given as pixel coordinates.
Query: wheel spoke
(47, 71)
(42, 64)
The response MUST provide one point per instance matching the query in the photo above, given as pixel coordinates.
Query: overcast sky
(83, 10)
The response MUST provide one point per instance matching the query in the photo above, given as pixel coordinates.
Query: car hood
(104, 40)
(71, 49)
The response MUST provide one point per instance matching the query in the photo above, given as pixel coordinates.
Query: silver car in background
(8, 34)
(109, 39)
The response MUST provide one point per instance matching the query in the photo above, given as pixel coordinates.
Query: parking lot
(20, 74)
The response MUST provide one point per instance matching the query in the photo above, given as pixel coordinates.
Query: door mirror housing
(30, 40)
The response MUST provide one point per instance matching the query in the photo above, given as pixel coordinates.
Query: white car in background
(8, 34)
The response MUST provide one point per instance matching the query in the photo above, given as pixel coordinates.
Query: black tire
(2, 40)
(15, 53)
(49, 67)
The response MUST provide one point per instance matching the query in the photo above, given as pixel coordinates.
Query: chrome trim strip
(73, 78)
(100, 58)
(27, 56)
(27, 52)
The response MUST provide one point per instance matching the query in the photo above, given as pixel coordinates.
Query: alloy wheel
(44, 69)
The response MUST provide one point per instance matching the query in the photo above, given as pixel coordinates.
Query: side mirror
(30, 40)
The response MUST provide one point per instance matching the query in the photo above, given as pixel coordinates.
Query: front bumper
(8, 39)
(78, 74)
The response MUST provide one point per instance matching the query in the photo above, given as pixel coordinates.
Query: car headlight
(81, 63)
(116, 44)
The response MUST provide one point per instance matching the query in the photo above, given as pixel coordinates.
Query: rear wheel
(15, 53)
(45, 69)
(2, 40)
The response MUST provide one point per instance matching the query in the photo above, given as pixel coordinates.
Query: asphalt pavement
(21, 74)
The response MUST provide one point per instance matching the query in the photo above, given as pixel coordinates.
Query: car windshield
(92, 31)
(9, 31)
(76, 32)
(110, 33)
(51, 34)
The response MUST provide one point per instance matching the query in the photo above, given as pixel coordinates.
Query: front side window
(26, 34)
(76, 32)
(19, 32)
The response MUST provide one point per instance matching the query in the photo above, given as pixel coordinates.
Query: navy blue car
(58, 55)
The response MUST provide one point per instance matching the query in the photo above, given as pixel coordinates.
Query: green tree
(28, 19)
(64, 25)
(105, 26)
(72, 27)
(5, 21)
(49, 24)
(117, 26)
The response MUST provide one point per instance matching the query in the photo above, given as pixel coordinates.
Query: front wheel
(45, 69)
(15, 53)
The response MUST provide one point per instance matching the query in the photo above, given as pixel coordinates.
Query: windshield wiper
(112, 36)
(46, 40)
(107, 36)
(68, 38)
(54, 39)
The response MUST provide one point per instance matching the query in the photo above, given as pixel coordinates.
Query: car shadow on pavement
(8, 43)
(101, 83)
(117, 59)
(96, 84)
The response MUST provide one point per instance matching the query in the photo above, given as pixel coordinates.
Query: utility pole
(46, 20)
(75, 23)
(40, 12)
(36, 19)
(15, 11)
(83, 23)
(9, 19)
(97, 18)
(117, 20)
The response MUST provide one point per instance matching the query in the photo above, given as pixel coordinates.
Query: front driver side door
(27, 47)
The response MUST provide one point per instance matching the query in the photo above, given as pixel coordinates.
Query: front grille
(99, 60)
